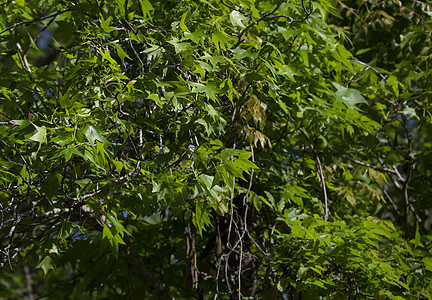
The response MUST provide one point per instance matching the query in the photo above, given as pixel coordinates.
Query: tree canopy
(215, 148)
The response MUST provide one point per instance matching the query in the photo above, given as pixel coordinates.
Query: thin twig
(35, 20)
(321, 175)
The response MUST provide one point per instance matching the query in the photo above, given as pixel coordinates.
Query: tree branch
(35, 20)
(135, 265)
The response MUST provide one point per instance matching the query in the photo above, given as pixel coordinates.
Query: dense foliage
(238, 148)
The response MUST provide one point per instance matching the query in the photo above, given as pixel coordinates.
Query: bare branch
(321, 175)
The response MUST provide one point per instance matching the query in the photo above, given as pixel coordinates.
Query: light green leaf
(147, 8)
(178, 45)
(158, 100)
(210, 89)
(105, 25)
(233, 169)
(118, 165)
(238, 19)
(40, 135)
(46, 265)
(195, 36)
(221, 39)
(83, 182)
(206, 179)
(244, 163)
(92, 134)
(240, 53)
(212, 111)
(427, 261)
(117, 225)
(410, 112)
(350, 97)
(182, 22)
(350, 198)
(68, 152)
(107, 56)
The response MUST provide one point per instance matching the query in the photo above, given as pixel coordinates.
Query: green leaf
(121, 7)
(427, 261)
(417, 236)
(362, 51)
(182, 22)
(83, 182)
(240, 54)
(297, 231)
(68, 152)
(93, 134)
(238, 19)
(105, 25)
(195, 36)
(233, 169)
(46, 265)
(106, 233)
(350, 97)
(202, 217)
(119, 166)
(160, 101)
(107, 56)
(113, 238)
(206, 179)
(179, 46)
(244, 163)
(210, 89)
(221, 40)
(121, 53)
(410, 112)
(350, 198)
(117, 225)
(40, 135)
(146, 8)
